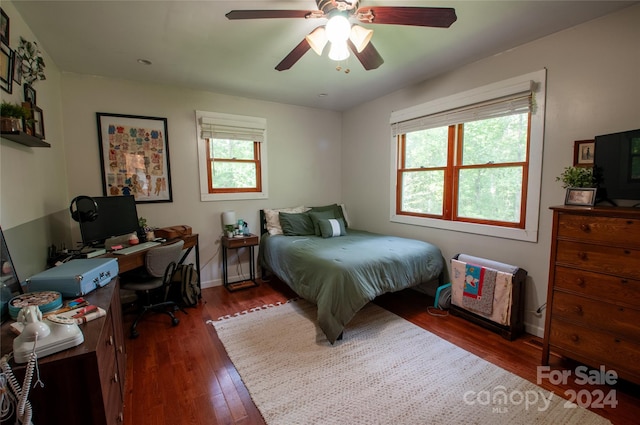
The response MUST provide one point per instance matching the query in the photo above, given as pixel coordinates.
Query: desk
(136, 259)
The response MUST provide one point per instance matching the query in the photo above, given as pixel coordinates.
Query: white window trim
(236, 121)
(481, 94)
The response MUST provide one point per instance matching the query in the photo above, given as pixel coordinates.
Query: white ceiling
(192, 44)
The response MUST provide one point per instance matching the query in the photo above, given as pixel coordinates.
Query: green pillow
(332, 227)
(320, 215)
(335, 209)
(296, 224)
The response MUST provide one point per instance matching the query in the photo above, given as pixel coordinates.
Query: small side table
(250, 242)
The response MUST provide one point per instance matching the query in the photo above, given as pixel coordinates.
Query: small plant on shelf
(12, 115)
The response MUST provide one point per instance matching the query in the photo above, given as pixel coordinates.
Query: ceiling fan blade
(441, 17)
(369, 57)
(260, 14)
(294, 55)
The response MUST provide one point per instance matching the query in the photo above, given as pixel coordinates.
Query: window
(472, 162)
(231, 156)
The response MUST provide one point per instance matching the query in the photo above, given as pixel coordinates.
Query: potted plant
(146, 232)
(577, 177)
(12, 115)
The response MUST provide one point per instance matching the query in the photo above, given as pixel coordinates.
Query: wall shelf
(24, 139)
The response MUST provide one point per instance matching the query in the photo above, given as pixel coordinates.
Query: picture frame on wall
(38, 121)
(134, 157)
(29, 94)
(4, 27)
(583, 152)
(581, 196)
(17, 68)
(6, 68)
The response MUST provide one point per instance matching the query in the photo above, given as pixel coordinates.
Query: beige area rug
(386, 371)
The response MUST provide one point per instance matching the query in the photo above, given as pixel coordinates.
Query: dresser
(83, 384)
(593, 300)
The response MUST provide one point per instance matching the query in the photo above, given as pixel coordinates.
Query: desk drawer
(240, 242)
(598, 258)
(598, 286)
(590, 313)
(620, 231)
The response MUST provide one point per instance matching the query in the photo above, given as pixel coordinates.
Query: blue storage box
(75, 278)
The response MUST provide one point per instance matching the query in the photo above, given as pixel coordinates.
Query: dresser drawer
(621, 231)
(596, 347)
(598, 286)
(590, 313)
(598, 258)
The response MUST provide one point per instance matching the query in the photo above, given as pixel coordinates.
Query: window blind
(212, 128)
(518, 102)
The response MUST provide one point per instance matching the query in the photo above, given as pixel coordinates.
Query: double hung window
(472, 162)
(231, 152)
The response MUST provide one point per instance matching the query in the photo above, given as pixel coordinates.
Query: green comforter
(342, 274)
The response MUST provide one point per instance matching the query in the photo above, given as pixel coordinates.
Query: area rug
(385, 371)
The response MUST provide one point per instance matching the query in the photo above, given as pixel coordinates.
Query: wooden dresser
(84, 384)
(593, 301)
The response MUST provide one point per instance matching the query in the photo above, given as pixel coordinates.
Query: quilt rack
(507, 312)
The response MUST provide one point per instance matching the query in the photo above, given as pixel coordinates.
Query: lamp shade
(229, 218)
(317, 39)
(339, 51)
(360, 37)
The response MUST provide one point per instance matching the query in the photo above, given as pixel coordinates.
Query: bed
(338, 268)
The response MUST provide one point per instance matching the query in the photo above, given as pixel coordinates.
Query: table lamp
(229, 222)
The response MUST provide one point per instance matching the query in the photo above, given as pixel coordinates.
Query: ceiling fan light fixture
(338, 29)
(339, 51)
(317, 39)
(360, 37)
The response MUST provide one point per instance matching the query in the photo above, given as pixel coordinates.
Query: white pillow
(272, 218)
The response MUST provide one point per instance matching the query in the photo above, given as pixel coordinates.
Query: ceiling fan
(342, 35)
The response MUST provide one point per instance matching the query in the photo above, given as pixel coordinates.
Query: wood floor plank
(182, 375)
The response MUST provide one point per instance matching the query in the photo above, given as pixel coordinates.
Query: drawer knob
(585, 228)
(580, 282)
(627, 252)
(578, 310)
(120, 417)
(110, 340)
(624, 281)
(115, 378)
(583, 256)
(575, 338)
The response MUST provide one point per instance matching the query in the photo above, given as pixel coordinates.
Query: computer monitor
(117, 216)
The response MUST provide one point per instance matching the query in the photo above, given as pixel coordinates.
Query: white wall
(593, 87)
(303, 151)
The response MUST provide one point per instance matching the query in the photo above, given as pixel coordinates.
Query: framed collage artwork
(134, 157)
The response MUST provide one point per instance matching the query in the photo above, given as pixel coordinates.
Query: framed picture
(4, 27)
(6, 68)
(583, 151)
(584, 196)
(17, 68)
(38, 121)
(29, 94)
(134, 157)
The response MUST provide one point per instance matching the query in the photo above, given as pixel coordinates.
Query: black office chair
(152, 284)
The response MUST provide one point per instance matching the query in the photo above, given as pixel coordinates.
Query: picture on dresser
(581, 196)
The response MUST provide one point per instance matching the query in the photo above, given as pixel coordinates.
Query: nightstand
(250, 242)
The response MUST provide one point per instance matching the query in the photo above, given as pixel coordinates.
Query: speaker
(81, 215)
(443, 297)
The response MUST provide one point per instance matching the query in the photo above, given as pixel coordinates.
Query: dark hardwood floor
(182, 375)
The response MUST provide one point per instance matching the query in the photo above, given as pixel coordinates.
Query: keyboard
(135, 248)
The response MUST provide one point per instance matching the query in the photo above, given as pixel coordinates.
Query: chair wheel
(175, 321)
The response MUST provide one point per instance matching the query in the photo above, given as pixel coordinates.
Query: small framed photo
(29, 94)
(583, 151)
(38, 121)
(4, 27)
(581, 196)
(6, 68)
(17, 68)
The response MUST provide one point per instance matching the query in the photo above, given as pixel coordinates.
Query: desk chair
(152, 284)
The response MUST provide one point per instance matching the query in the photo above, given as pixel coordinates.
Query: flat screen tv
(117, 216)
(617, 165)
